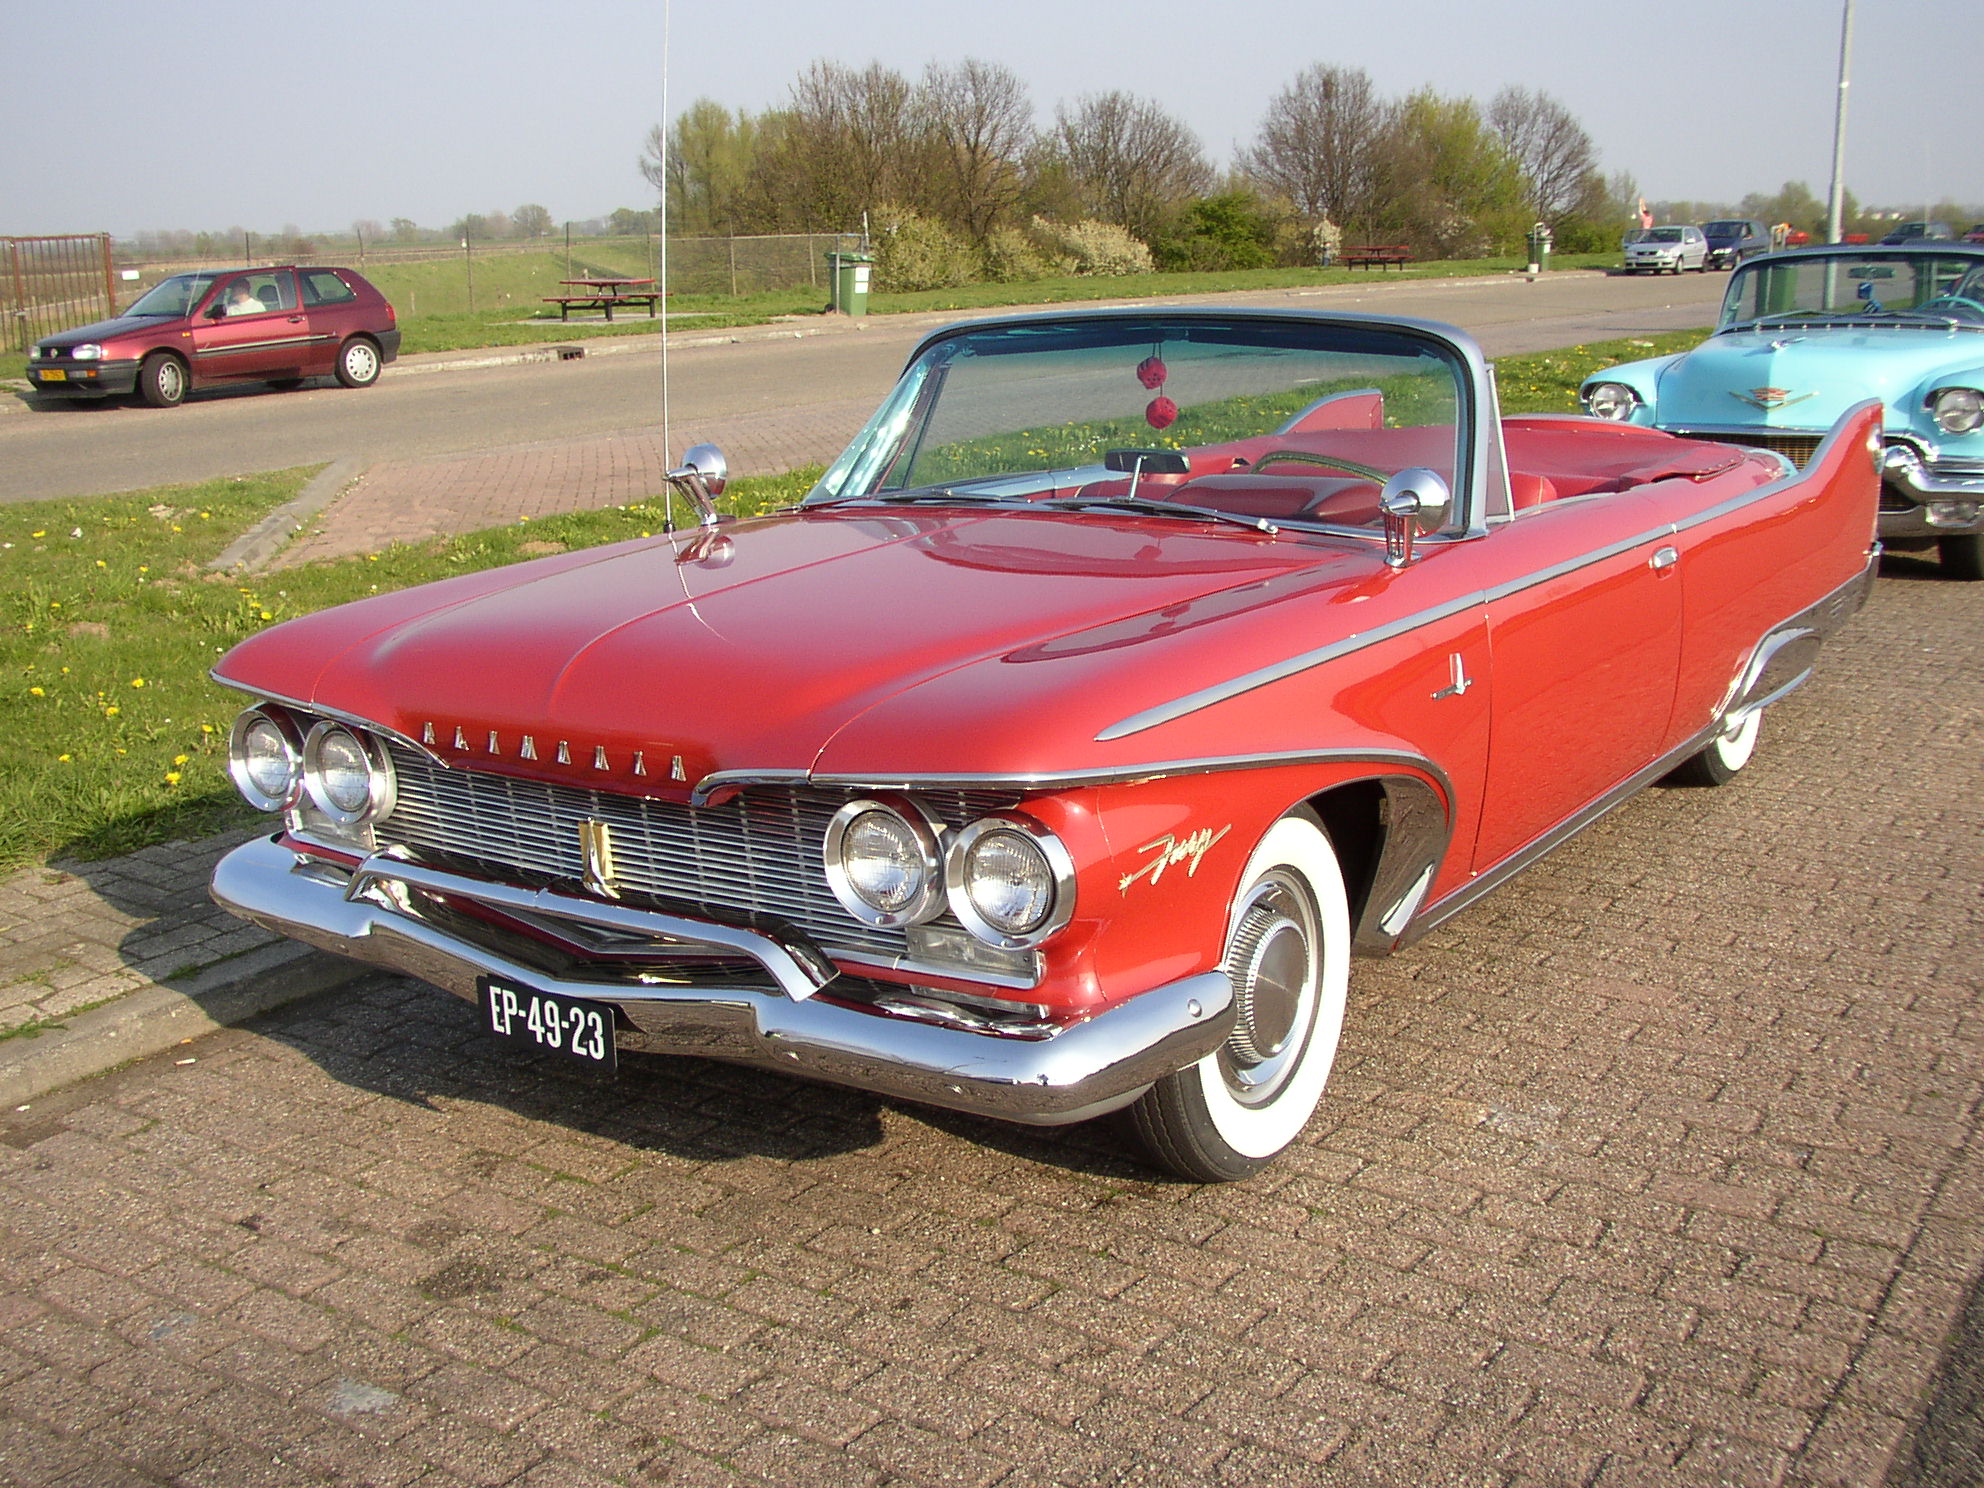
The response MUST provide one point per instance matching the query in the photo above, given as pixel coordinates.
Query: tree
(530, 221)
(978, 121)
(472, 227)
(1446, 183)
(711, 153)
(845, 145)
(404, 229)
(1318, 144)
(1550, 149)
(367, 231)
(1125, 160)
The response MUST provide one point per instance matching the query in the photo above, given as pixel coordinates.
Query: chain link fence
(51, 284)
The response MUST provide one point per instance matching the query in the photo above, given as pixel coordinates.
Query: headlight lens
(1010, 881)
(263, 760)
(1610, 400)
(1957, 410)
(883, 864)
(348, 783)
(89, 351)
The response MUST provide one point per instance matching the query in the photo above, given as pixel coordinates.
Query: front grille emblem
(1768, 398)
(596, 848)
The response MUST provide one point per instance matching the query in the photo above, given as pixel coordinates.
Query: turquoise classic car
(1805, 335)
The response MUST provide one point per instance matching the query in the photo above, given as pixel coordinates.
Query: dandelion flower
(111, 711)
(172, 777)
(180, 759)
(137, 681)
(36, 692)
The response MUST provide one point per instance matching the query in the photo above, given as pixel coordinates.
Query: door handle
(1665, 558)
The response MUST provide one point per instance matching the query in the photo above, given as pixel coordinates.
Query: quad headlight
(265, 759)
(1010, 881)
(1957, 410)
(346, 777)
(1610, 400)
(884, 863)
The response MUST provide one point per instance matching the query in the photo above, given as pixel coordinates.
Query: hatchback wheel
(358, 363)
(162, 380)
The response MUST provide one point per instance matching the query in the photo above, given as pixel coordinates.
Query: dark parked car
(275, 325)
(1733, 239)
(1921, 232)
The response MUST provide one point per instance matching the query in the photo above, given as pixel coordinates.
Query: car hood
(1791, 379)
(106, 330)
(911, 642)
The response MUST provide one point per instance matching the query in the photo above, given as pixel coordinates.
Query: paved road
(430, 407)
(1659, 1166)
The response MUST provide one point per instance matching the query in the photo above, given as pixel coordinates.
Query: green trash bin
(1539, 247)
(849, 275)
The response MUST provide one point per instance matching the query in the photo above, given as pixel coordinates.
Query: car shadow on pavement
(401, 1039)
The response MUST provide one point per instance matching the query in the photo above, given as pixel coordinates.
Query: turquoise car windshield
(1859, 284)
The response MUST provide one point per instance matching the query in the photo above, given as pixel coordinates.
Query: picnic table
(1379, 257)
(604, 294)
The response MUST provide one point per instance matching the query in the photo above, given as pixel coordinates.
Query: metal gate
(50, 284)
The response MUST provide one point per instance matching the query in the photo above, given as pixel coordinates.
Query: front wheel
(358, 363)
(1288, 955)
(1724, 755)
(162, 380)
(1962, 555)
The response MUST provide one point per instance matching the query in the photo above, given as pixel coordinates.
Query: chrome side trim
(1085, 1069)
(1051, 780)
(320, 710)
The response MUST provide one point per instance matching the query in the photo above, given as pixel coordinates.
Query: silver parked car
(1668, 249)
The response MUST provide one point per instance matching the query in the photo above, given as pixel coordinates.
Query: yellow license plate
(55, 374)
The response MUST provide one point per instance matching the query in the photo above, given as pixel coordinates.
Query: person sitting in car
(240, 301)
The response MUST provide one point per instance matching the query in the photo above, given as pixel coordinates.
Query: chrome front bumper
(1948, 500)
(1086, 1069)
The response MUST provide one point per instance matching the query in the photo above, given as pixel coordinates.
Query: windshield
(1858, 284)
(1662, 235)
(1724, 229)
(1263, 419)
(174, 296)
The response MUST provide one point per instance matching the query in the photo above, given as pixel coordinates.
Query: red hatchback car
(275, 325)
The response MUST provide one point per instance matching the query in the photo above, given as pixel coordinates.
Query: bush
(912, 252)
(1231, 231)
(1092, 247)
(1582, 235)
(1011, 257)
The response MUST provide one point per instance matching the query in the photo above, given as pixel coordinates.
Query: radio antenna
(661, 155)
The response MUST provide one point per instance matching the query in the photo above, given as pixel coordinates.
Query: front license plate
(54, 374)
(566, 1026)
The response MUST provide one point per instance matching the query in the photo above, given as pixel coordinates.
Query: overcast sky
(125, 117)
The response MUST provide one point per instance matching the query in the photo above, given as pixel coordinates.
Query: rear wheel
(1724, 755)
(162, 380)
(358, 363)
(1962, 555)
(1288, 955)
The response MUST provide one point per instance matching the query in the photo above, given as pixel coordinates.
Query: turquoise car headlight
(1610, 400)
(1957, 410)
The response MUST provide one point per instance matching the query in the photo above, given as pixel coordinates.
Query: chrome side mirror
(1415, 500)
(701, 478)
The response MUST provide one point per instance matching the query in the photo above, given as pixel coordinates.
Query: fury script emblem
(1172, 850)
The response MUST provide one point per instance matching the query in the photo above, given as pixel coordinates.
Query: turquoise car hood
(1804, 379)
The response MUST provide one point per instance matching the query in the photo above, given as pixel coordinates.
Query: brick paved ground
(1659, 1166)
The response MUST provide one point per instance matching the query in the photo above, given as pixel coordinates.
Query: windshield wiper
(1149, 507)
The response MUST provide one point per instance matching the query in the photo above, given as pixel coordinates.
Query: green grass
(109, 622)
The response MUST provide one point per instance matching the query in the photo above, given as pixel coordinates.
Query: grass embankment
(109, 622)
(433, 299)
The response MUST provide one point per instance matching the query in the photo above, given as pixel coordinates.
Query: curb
(155, 1018)
(268, 537)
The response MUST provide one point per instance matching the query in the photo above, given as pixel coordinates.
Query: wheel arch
(1391, 833)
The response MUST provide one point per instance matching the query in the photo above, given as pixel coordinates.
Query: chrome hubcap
(1272, 964)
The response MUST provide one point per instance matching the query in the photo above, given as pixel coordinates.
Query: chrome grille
(1796, 446)
(757, 853)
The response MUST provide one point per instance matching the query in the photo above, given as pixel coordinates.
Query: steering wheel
(1326, 462)
(1960, 306)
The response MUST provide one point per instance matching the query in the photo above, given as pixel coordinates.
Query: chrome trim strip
(1086, 1069)
(336, 715)
(1049, 780)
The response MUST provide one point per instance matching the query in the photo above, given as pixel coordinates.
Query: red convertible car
(1128, 675)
